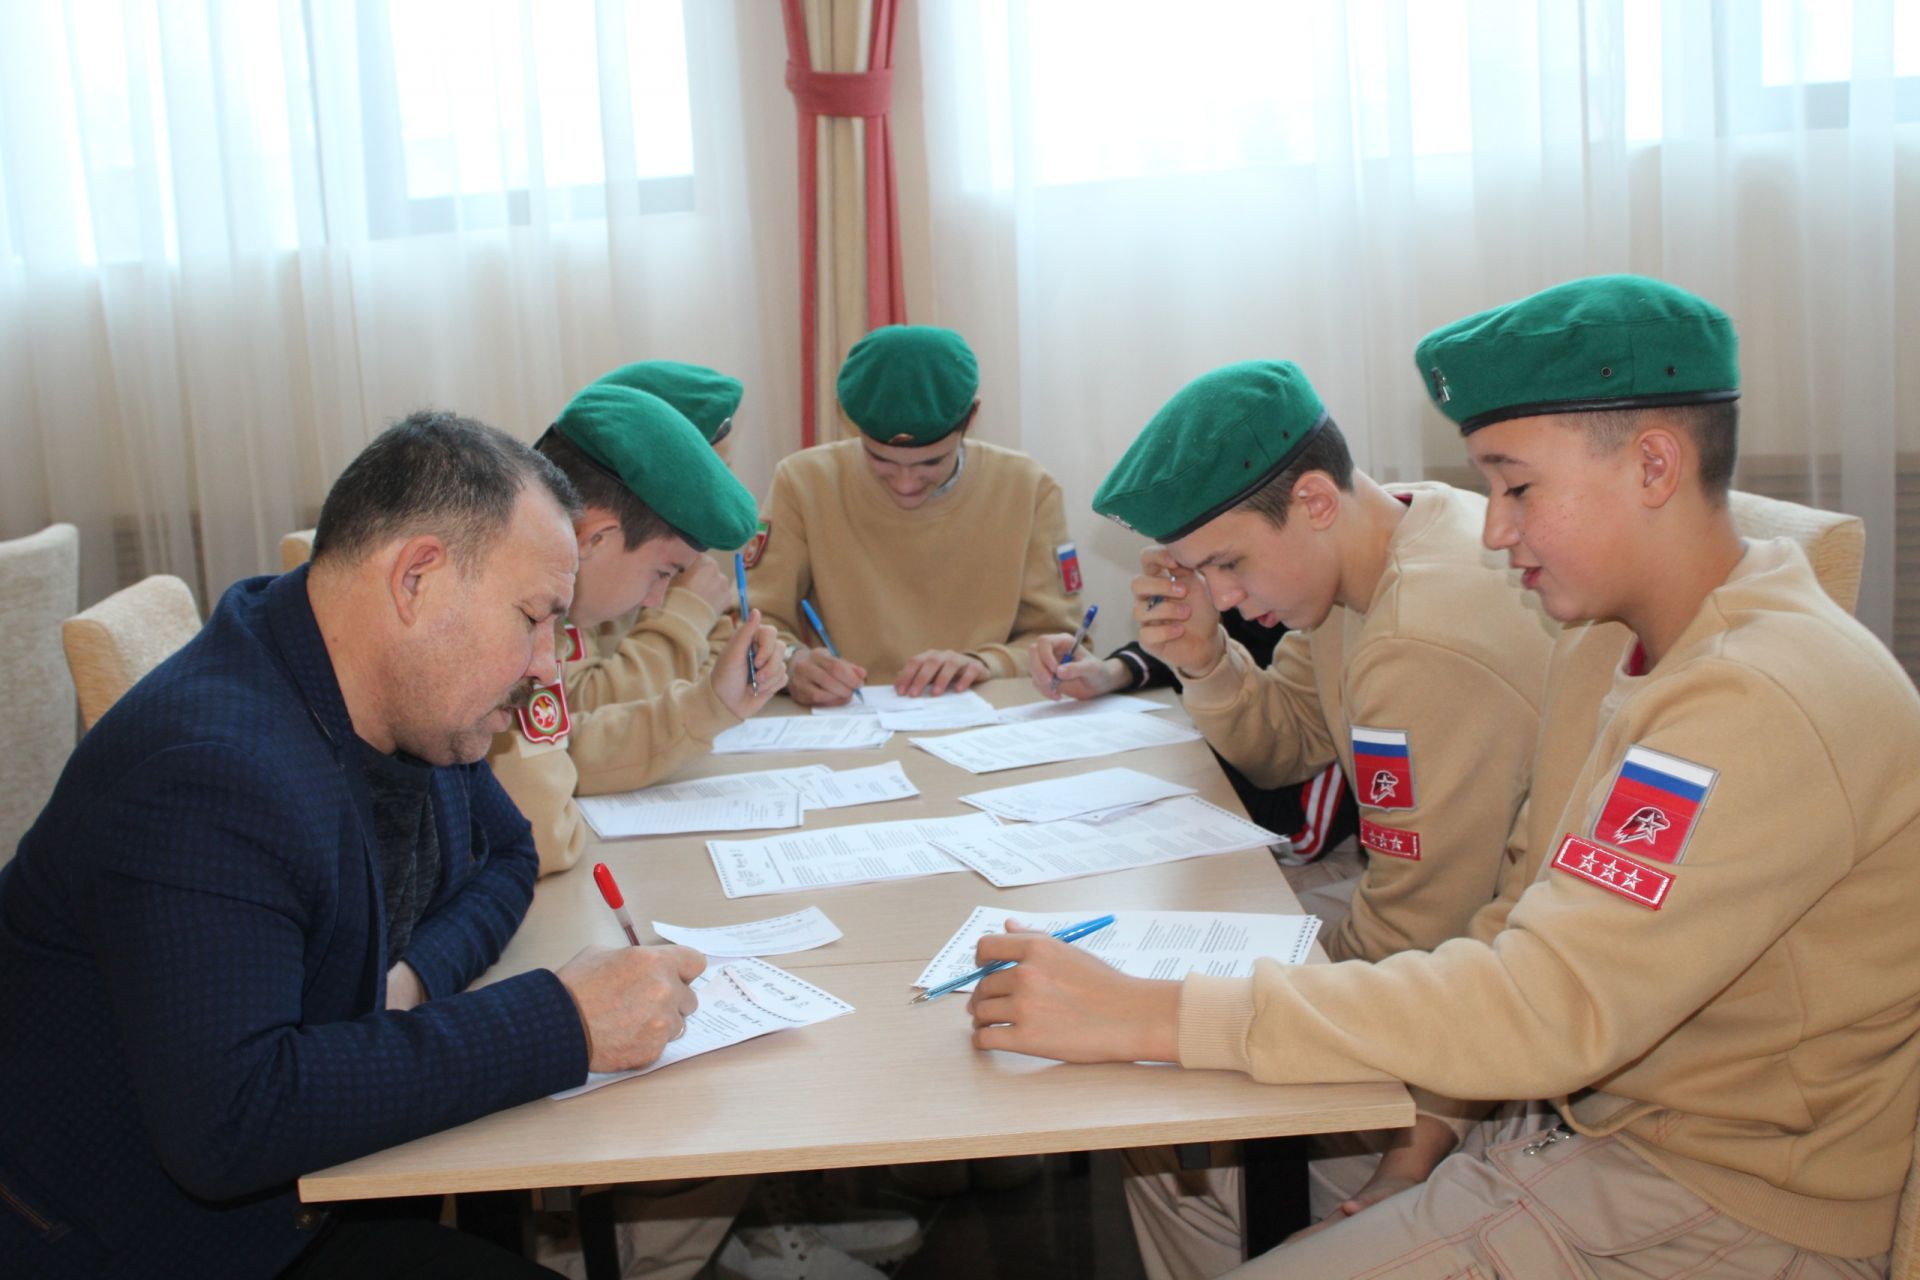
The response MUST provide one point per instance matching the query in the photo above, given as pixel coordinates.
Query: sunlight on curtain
(1126, 194)
(236, 240)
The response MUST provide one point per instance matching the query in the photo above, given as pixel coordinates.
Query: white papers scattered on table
(795, 931)
(1090, 797)
(1108, 703)
(875, 698)
(1013, 746)
(1145, 944)
(841, 855)
(619, 815)
(1188, 827)
(963, 710)
(948, 711)
(739, 1000)
(677, 806)
(824, 788)
(802, 733)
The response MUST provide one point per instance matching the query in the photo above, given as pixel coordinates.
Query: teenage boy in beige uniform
(656, 497)
(1712, 976)
(643, 651)
(933, 561)
(1412, 659)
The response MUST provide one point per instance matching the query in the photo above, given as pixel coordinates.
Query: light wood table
(890, 1082)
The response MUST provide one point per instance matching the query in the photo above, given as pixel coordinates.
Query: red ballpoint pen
(611, 892)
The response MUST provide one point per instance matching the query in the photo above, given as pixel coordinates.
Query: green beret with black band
(650, 447)
(909, 384)
(1222, 438)
(705, 397)
(1605, 342)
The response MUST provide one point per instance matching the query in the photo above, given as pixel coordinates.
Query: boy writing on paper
(656, 497)
(934, 561)
(1411, 660)
(1704, 962)
(643, 651)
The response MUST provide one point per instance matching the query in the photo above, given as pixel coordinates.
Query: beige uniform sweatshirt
(1716, 959)
(615, 747)
(639, 654)
(1436, 684)
(978, 570)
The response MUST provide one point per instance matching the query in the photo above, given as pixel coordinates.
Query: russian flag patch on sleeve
(1069, 557)
(1382, 768)
(1655, 800)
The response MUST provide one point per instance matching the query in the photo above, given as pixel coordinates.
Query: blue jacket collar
(296, 634)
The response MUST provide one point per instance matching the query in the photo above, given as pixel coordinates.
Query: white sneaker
(878, 1236)
(787, 1251)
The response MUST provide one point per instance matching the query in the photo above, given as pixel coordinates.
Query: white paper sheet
(1013, 746)
(1037, 852)
(802, 733)
(739, 1001)
(949, 711)
(841, 855)
(779, 936)
(963, 710)
(618, 816)
(1144, 944)
(1104, 705)
(846, 788)
(1087, 796)
(720, 787)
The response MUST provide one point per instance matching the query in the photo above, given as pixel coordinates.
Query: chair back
(1836, 544)
(39, 586)
(113, 644)
(296, 549)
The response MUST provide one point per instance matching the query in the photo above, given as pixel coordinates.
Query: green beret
(1211, 447)
(706, 397)
(1606, 342)
(649, 446)
(909, 384)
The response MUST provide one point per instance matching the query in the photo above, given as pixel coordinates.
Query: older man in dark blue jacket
(236, 943)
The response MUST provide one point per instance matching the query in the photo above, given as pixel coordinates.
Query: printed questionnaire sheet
(1187, 827)
(1144, 944)
(778, 936)
(841, 855)
(1013, 746)
(739, 1000)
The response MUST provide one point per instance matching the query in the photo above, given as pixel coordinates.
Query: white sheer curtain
(238, 238)
(1122, 194)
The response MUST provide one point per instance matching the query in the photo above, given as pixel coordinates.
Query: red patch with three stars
(1614, 872)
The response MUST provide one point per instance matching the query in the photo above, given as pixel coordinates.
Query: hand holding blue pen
(820, 629)
(1072, 933)
(753, 650)
(1074, 648)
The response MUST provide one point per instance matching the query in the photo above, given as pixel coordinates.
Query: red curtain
(866, 95)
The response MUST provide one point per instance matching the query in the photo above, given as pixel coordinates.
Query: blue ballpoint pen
(820, 629)
(1072, 933)
(1078, 636)
(753, 650)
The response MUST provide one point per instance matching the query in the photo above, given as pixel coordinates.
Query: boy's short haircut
(599, 489)
(1713, 427)
(1326, 450)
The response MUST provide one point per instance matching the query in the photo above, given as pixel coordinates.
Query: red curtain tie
(841, 93)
